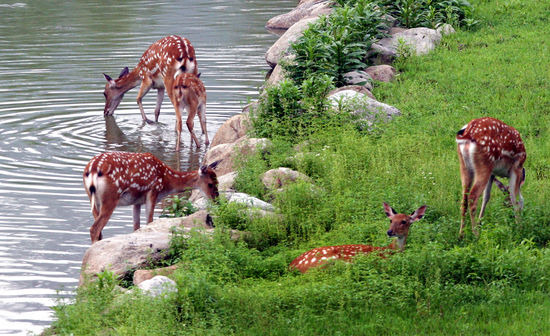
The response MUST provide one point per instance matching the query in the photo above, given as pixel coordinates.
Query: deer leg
(190, 128)
(150, 205)
(202, 119)
(515, 192)
(146, 85)
(481, 179)
(160, 97)
(136, 213)
(105, 213)
(466, 178)
(486, 196)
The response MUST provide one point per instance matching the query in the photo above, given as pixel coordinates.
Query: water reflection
(52, 56)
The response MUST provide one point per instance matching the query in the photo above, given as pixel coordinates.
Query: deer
(487, 148)
(399, 228)
(190, 94)
(157, 68)
(115, 179)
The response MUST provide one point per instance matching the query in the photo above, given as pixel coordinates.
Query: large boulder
(280, 177)
(360, 78)
(280, 48)
(148, 245)
(356, 88)
(158, 286)
(228, 153)
(305, 9)
(277, 75)
(121, 254)
(233, 129)
(418, 41)
(146, 274)
(367, 110)
(382, 73)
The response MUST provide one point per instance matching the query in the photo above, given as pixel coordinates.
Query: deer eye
(403, 222)
(191, 59)
(210, 185)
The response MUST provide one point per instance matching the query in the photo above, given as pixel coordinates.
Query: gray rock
(280, 48)
(419, 41)
(383, 72)
(280, 177)
(303, 10)
(232, 130)
(360, 78)
(367, 110)
(158, 286)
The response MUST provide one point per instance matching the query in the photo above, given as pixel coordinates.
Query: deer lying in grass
(399, 228)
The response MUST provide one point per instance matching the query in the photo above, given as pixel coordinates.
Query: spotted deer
(190, 94)
(115, 179)
(487, 147)
(399, 228)
(157, 68)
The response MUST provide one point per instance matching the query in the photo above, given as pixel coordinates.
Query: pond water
(52, 56)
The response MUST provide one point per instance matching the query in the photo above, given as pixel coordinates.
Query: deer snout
(390, 233)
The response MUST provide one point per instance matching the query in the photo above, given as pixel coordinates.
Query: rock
(250, 107)
(383, 73)
(229, 152)
(420, 40)
(366, 109)
(250, 201)
(197, 219)
(280, 47)
(276, 76)
(123, 253)
(227, 182)
(280, 177)
(142, 275)
(445, 29)
(356, 88)
(232, 129)
(120, 254)
(303, 10)
(360, 78)
(158, 285)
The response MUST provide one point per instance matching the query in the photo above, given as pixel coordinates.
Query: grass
(497, 284)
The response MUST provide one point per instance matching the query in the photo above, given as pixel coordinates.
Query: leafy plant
(178, 206)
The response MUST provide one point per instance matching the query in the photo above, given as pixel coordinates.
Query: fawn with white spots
(399, 228)
(190, 94)
(118, 178)
(487, 147)
(157, 69)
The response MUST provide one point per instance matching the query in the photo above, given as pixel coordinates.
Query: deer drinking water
(157, 69)
(399, 228)
(487, 147)
(118, 178)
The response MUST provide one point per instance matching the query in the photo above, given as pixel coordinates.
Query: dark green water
(52, 56)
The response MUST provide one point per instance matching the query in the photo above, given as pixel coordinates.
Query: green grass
(498, 284)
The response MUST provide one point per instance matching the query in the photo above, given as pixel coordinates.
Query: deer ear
(390, 212)
(419, 213)
(107, 77)
(214, 164)
(124, 72)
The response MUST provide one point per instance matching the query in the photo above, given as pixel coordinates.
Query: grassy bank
(498, 284)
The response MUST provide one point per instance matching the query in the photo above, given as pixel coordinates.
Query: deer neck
(398, 244)
(130, 81)
(180, 181)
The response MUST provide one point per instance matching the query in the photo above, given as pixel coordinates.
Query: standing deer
(156, 69)
(118, 178)
(488, 147)
(399, 228)
(190, 94)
